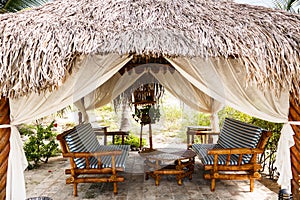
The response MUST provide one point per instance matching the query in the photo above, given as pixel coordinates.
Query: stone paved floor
(49, 180)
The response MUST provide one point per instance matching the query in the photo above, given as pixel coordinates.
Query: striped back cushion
(75, 145)
(88, 137)
(237, 134)
(82, 139)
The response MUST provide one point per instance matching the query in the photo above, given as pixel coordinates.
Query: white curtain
(92, 71)
(173, 81)
(80, 105)
(99, 97)
(222, 79)
(225, 80)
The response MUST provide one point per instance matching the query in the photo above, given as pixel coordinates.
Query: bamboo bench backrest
(238, 134)
(82, 138)
(234, 134)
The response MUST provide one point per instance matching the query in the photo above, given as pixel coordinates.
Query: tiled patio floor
(49, 180)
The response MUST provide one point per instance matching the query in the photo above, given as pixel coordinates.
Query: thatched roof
(38, 46)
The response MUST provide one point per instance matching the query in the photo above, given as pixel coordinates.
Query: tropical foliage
(132, 140)
(40, 144)
(269, 156)
(17, 5)
(288, 5)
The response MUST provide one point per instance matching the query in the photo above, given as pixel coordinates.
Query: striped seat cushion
(234, 134)
(106, 160)
(201, 151)
(83, 139)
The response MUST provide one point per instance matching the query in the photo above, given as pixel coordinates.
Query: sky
(266, 3)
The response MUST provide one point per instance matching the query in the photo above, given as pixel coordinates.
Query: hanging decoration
(146, 103)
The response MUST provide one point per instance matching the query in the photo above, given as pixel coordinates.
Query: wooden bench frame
(251, 169)
(93, 173)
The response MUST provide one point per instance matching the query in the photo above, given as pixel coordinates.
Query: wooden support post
(141, 137)
(294, 115)
(4, 144)
(150, 136)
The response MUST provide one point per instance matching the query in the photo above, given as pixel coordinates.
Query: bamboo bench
(91, 162)
(235, 155)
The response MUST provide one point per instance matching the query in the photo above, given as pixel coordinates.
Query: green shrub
(132, 140)
(40, 145)
(269, 156)
(203, 119)
(232, 113)
(172, 117)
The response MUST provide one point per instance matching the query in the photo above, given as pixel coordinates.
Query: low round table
(179, 163)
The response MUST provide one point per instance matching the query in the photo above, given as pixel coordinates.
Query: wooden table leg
(113, 139)
(141, 137)
(105, 136)
(122, 139)
(188, 139)
(157, 178)
(193, 138)
(150, 136)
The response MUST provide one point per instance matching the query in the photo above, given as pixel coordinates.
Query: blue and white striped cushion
(234, 134)
(75, 145)
(106, 160)
(201, 151)
(209, 160)
(83, 139)
(88, 137)
(237, 134)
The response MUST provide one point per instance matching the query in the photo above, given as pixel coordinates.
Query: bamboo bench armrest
(209, 132)
(91, 154)
(236, 151)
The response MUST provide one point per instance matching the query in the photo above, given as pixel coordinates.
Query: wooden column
(4, 144)
(294, 115)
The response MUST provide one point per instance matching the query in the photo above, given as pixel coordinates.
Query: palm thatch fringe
(38, 46)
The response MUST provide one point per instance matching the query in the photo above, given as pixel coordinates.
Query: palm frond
(288, 5)
(17, 5)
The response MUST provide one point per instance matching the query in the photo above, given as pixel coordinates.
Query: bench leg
(75, 189)
(251, 184)
(157, 179)
(115, 188)
(213, 184)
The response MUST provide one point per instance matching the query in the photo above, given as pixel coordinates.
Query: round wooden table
(179, 163)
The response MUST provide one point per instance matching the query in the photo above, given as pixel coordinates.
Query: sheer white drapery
(92, 71)
(173, 81)
(226, 81)
(199, 79)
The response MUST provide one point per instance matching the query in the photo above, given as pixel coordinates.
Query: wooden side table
(179, 163)
(114, 133)
(205, 132)
(103, 132)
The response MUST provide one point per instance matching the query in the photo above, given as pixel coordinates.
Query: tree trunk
(4, 144)
(294, 115)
